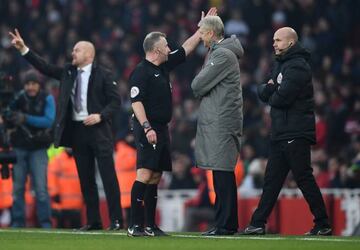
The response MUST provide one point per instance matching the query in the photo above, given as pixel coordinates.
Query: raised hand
(17, 41)
(212, 12)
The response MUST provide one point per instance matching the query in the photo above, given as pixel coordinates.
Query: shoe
(154, 231)
(320, 231)
(251, 230)
(116, 225)
(135, 231)
(218, 231)
(90, 227)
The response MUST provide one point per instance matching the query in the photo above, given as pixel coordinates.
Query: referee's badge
(279, 78)
(134, 92)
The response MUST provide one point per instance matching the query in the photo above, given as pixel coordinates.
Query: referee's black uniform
(150, 85)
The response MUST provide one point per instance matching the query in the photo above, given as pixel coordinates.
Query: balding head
(83, 54)
(288, 33)
(284, 38)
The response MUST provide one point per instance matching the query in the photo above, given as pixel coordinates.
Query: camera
(7, 155)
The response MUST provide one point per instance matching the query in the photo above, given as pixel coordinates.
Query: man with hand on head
(219, 126)
(152, 105)
(88, 97)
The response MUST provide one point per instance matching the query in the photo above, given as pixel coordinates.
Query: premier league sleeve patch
(134, 92)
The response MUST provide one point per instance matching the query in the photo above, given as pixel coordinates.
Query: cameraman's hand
(17, 41)
(18, 118)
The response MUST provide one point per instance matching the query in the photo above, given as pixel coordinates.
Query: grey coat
(219, 126)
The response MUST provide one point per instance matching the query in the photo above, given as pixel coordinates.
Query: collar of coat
(214, 43)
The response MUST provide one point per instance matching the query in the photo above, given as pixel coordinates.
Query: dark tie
(77, 96)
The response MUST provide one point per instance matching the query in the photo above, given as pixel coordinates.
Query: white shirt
(85, 75)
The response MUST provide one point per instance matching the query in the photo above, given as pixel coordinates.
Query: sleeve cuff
(25, 51)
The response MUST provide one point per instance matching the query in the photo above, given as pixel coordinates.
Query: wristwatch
(146, 125)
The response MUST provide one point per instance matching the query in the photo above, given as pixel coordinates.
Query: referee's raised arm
(190, 44)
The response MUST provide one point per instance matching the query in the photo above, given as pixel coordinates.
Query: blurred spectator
(181, 177)
(64, 190)
(337, 173)
(5, 201)
(125, 167)
(354, 175)
(254, 180)
(199, 210)
(321, 176)
(236, 25)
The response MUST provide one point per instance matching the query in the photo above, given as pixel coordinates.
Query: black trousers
(89, 144)
(284, 156)
(226, 210)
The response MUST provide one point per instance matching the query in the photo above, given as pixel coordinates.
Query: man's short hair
(151, 39)
(213, 23)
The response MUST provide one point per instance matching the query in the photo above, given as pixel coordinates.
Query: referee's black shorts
(158, 159)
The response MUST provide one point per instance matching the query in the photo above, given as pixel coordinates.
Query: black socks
(150, 204)
(143, 196)
(137, 203)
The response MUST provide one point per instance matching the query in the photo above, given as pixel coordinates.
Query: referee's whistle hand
(151, 137)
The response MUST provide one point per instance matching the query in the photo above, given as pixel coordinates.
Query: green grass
(64, 239)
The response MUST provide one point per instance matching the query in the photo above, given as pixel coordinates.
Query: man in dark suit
(87, 99)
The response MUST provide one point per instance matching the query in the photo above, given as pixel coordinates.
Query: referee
(152, 105)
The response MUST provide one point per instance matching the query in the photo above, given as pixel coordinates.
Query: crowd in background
(328, 28)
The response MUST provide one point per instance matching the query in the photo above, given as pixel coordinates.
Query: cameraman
(32, 114)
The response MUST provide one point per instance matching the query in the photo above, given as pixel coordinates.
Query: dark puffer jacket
(291, 96)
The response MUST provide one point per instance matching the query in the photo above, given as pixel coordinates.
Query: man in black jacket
(289, 93)
(88, 97)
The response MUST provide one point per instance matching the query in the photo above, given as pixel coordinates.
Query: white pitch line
(326, 238)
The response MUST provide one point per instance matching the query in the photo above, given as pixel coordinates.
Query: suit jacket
(102, 98)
